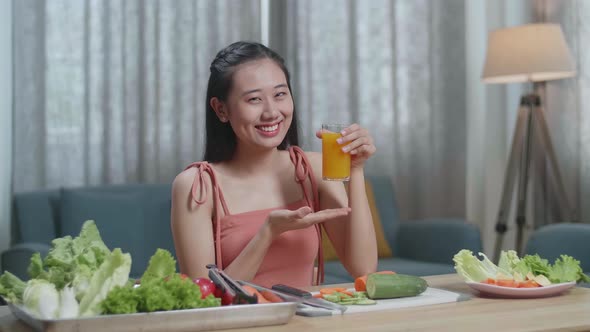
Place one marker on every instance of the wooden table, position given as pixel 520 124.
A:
pixel 567 312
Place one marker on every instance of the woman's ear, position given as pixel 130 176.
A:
pixel 219 109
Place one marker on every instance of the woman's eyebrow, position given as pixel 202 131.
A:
pixel 282 85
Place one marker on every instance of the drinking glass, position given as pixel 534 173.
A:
pixel 335 162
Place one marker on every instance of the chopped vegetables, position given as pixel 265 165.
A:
pixel 254 291
pixel 345 297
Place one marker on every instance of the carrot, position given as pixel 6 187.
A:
pixel 489 281
pixel 332 290
pixel 270 296
pixel 507 283
pixel 528 284
pixel 360 283
pixel 254 291
pixel 318 296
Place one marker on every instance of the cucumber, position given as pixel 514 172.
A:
pixel 388 286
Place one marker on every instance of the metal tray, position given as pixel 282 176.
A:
pixel 216 318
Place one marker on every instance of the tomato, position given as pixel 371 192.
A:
pixel 226 298
pixel 207 287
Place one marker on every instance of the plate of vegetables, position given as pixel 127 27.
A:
pixel 515 277
pixel 517 291
pixel 82 285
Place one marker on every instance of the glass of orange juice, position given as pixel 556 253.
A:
pixel 335 162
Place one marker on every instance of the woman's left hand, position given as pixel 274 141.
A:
pixel 358 142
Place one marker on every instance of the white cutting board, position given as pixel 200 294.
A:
pixel 428 297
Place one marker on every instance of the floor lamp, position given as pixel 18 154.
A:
pixel 532 53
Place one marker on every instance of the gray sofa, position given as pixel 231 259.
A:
pixel 136 218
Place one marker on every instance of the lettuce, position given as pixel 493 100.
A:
pixel 45 301
pixel 170 293
pixel 71 258
pixel 534 264
pixel 72 280
pixel 161 289
pixel 113 272
pixel 161 265
pixel 508 260
pixel 471 268
pixel 42 299
pixel 121 300
pixel 11 287
pixel 566 269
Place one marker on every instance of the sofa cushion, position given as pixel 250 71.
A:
pixel 118 216
pixel 156 231
pixel 35 213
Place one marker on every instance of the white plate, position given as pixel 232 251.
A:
pixel 512 292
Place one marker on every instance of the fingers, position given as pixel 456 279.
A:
pixel 318 133
pixel 359 140
pixel 301 212
pixel 291 214
pixel 325 215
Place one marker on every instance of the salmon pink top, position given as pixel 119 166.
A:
pixel 291 256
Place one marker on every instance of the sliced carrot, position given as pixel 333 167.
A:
pixel 332 290
pixel 254 291
pixel 360 283
pixel 507 283
pixel 489 281
pixel 318 295
pixel 272 297
pixel 528 284
pixel 346 293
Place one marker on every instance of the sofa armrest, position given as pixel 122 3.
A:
pixel 436 240
pixel 16 259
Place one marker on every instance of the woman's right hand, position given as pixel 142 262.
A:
pixel 280 221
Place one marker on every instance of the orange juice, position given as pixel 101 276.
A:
pixel 335 162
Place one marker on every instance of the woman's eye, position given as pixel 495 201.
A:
pixel 253 99
pixel 281 94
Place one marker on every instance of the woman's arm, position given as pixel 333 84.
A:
pixel 191 225
pixel 353 236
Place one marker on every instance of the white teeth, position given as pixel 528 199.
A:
pixel 271 128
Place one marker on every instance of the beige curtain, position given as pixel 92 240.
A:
pixel 112 91
pixel 567 114
pixel 397 68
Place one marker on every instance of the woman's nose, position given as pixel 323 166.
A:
pixel 271 110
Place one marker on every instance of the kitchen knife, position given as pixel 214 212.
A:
pixel 308 299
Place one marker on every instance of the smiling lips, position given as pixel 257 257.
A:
pixel 269 131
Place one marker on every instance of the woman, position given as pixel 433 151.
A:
pixel 243 208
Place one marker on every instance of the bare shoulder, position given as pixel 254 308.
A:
pixel 183 183
pixel 184 180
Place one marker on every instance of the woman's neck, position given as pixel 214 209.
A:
pixel 249 162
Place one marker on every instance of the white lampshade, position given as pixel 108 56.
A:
pixel 527 53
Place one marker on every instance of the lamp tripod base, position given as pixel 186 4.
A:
pixel 531 127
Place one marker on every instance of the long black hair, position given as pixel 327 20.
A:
pixel 220 139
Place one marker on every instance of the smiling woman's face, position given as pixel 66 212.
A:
pixel 259 104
